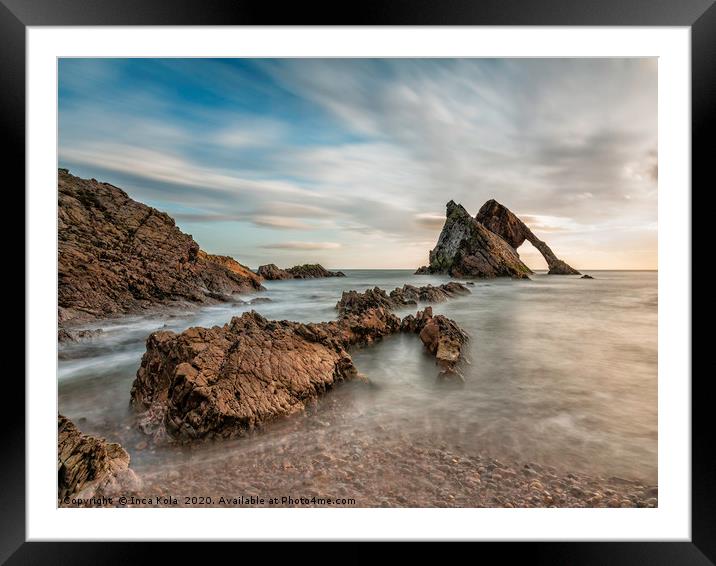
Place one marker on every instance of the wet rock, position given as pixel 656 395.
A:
pixel 88 466
pixel 69 335
pixel 223 381
pixel 117 256
pixel 586 277
pixel 503 222
pixel 258 300
pixel 466 248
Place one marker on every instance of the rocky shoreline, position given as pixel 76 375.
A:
pixel 224 381
pixel 119 257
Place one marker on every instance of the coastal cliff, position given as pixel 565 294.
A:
pixel 118 256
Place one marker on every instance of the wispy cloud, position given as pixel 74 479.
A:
pixel 302 246
pixel 364 154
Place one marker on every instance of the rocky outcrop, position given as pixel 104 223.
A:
pixel 586 277
pixel 70 335
pixel 271 272
pixel 88 466
pixel 441 336
pixel 305 271
pixel 355 302
pixel 466 248
pixel 117 255
pixel 500 220
pixel 224 381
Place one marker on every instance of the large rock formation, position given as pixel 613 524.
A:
pixel 466 248
pixel 305 271
pixel 224 381
pixel 88 466
pixel 117 256
pixel 500 220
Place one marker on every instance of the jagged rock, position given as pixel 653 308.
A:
pixel 69 335
pixel 223 381
pixel 117 256
pixel 466 248
pixel 441 336
pixel 88 466
pixel 409 294
pixel 353 301
pixel 312 271
pixel 306 271
pixel 586 277
pixel 503 222
pixel 271 272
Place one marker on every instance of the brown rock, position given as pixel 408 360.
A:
pixel 223 381
pixel 305 271
pixel 466 248
pixel 117 255
pixel 88 466
pixel 500 220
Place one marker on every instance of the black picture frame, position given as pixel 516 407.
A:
pixel 699 15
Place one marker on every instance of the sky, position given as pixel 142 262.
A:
pixel 350 162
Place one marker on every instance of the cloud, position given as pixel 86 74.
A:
pixel 363 153
pixel 430 220
pixel 302 246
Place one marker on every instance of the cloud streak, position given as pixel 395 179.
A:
pixel 364 154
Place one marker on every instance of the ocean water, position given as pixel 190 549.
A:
pixel 559 371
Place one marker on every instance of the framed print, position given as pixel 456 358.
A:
pixel 422 275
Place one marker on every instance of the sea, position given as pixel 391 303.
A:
pixel 559 371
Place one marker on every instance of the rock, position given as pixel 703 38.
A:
pixel 68 335
pixel 306 271
pixel 271 272
pixel 312 271
pixel 443 338
pixel 410 295
pixel 88 466
pixel 258 300
pixel 353 301
pixel 503 222
pixel 586 277
pixel 466 248
pixel 119 256
pixel 223 381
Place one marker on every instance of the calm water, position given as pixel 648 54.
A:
pixel 561 371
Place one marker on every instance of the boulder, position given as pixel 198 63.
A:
pixel 224 381
pixel 88 466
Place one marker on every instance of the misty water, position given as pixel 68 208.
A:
pixel 559 371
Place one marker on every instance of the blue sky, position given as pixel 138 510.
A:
pixel 350 162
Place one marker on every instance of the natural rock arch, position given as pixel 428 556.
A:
pixel 501 221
